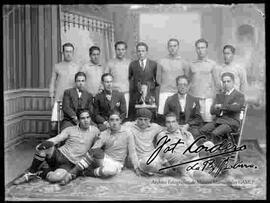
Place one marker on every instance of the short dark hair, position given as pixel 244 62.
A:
pixel 79 74
pixel 142 44
pixel 105 75
pixel 227 74
pixel 80 111
pixel 92 48
pixel 228 46
pixel 202 40
pixel 120 42
pixel 68 44
pixel 170 114
pixel 181 77
pixel 173 39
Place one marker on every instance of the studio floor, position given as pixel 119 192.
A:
pixel 127 186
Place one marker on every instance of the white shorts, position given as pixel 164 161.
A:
pixel 205 106
pixel 162 99
pixel 55 112
pixel 127 101
pixel 110 163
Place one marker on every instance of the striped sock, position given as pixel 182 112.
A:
pixel 37 161
pixel 86 161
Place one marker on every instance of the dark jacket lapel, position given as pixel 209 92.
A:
pixel 176 101
pixel 74 96
pixel 188 107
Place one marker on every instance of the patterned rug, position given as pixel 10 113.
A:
pixel 127 186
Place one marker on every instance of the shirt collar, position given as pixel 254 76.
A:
pixel 175 57
pixel 229 93
pixel 92 64
pixel 205 59
pixel 149 126
pixel 119 131
pixel 144 60
pixel 78 90
pixel 180 97
pixel 177 131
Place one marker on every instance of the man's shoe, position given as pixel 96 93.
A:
pixel 28 176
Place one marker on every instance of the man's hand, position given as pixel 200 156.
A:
pixel 75 120
pixel 106 123
pixel 45 145
pixel 185 127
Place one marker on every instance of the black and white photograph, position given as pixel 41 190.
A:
pixel 134 102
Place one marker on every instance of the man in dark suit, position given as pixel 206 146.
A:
pixel 74 99
pixel 226 107
pixel 141 71
pixel 185 106
pixel 107 101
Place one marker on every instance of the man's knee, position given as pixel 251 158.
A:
pixel 109 171
pixel 221 130
pixel 57 175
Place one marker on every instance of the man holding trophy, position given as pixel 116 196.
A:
pixel 142 77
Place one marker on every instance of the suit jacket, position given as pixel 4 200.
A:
pixel 191 115
pixel 102 106
pixel 231 107
pixel 137 75
pixel 71 102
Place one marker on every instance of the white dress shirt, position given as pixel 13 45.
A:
pixel 182 100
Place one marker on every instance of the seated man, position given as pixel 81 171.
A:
pixel 226 107
pixel 108 100
pixel 168 139
pixel 143 133
pixel 185 106
pixel 74 99
pixel 106 158
pixel 78 139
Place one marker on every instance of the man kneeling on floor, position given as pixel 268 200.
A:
pixel 106 158
pixel 78 139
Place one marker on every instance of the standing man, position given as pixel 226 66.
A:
pixel 93 70
pixel 62 78
pixel 185 106
pixel 118 67
pixel 141 71
pixel 205 82
pixel 78 140
pixel 168 68
pixel 240 75
pixel 108 100
pixel 74 99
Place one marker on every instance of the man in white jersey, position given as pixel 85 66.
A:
pixel 204 79
pixel 239 72
pixel 93 70
pixel 78 139
pixel 118 67
pixel 62 78
pixel 168 68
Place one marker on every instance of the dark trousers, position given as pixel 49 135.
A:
pixel 216 130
